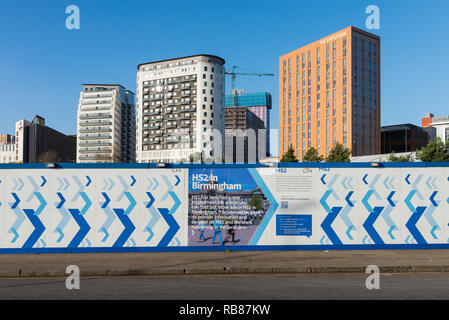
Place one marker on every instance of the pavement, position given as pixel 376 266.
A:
pixel 223 263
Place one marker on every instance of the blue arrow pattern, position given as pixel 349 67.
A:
pixel 155 217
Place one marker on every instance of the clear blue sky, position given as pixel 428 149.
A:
pixel 42 64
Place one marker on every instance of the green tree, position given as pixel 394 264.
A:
pixel 339 153
pixel 395 158
pixel 289 156
pixel 256 202
pixel 48 156
pixel 435 150
pixel 312 156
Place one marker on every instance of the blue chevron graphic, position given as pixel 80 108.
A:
pixel 349 183
pixel 347 221
pixel 417 181
pixel 390 183
pixel 348 197
pixel 18 223
pixel 428 215
pixel 369 225
pixel 326 225
pixel 125 188
pixel 428 182
pixel 365 200
pixel 407 177
pixel 386 216
pixel 133 181
pixel 364 179
pixel 44 181
pixel 149 204
pixel 89 181
pixel 42 205
pixel 322 240
pixel 323 201
pixel 432 199
pixel 343 183
pixel 67 184
pixel 177 180
pixel 156 183
pixel 35 188
pixel 61 234
pixel 64 221
pixel 59 206
pixel 173 227
pixel 129 228
pixel 364 240
pixel 16 184
pixel 154 217
pixel 150 232
pixel 408 200
pixel 15 204
pixel 110 217
pixel 169 185
pixel 390 232
pixel 87 205
pixel 88 243
pixel 132 203
pixel 107 200
pixel 176 204
pixel 150 183
pixel 21 184
pixel 411 225
pixel 322 178
pixel 176 242
pixel 38 228
pixel 333 180
pixel 83 231
pixel 60 184
pixel 433 182
pixel 16 235
pixel 386 183
pixel 390 200
pixel 374 182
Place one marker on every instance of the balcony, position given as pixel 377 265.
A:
pixel 95 116
pixel 95 144
pixel 170 125
pixel 95 137
pixel 97 150
pixel 92 130
pixel 95 108
pixel 95 123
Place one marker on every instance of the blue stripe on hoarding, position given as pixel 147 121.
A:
pixel 226 248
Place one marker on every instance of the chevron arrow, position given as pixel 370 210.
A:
pixel 35 188
pixel 132 203
pixel 433 182
pixel 129 228
pixel 323 201
pixel 16 184
pixel 326 225
pixel 88 181
pixel 21 184
pixel 390 200
pixel 177 180
pixel 369 225
pixel 432 199
pixel 16 235
pixel 173 227
pixel 364 179
pixel 67 184
pixel 428 182
pixel 59 206
pixel 83 231
pixel 343 182
pixel 87 205
pixel 133 181
pixel 365 200
pixel 406 178
pixel 322 179
pixel 408 200
pixel 106 203
pixel 38 228
pixel 349 183
pixel 150 183
pixel 176 204
pixel 348 197
pixel 42 205
pixel 156 183
pixel 44 181
pixel 390 183
pixel 411 225
pixel 15 204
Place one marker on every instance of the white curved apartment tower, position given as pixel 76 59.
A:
pixel 106 125
pixel 179 104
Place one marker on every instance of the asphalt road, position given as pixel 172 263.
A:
pixel 266 287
